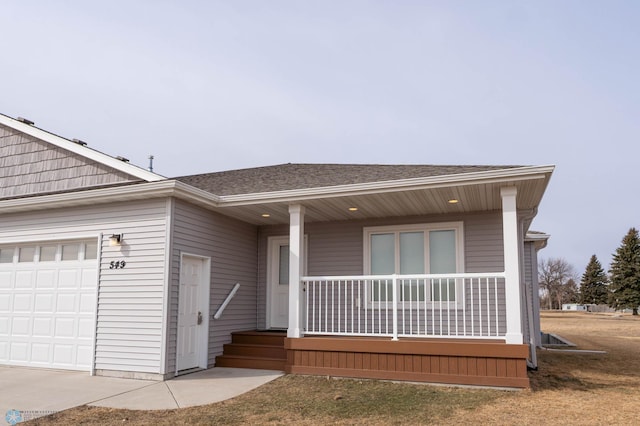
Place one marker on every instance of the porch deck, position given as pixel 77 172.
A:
pixel 450 361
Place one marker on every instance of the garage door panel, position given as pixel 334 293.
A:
pixel 83 353
pixel 89 279
pixel 5 302
pixel 40 352
pixel 42 327
pixel 63 354
pixel 21 326
pixel 85 328
pixel 6 279
pixel 64 327
pixel 22 303
pixel 47 308
pixel 44 303
pixel 46 279
pixel 66 303
pixel 19 352
pixel 24 279
pixel 68 279
pixel 87 303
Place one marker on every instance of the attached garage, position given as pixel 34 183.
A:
pixel 48 294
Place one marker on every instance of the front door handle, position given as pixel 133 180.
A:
pixel 199 317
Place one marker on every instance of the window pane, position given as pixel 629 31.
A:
pixel 383 262
pixel 48 253
pixel 91 251
pixel 383 254
pixel 70 252
pixel 26 254
pixel 283 273
pixel 6 255
pixel 442 259
pixel 412 253
pixel 442 251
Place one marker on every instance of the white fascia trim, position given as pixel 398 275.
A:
pixel 81 150
pixel 164 188
pixel 170 187
pixel 539 240
pixel 463 179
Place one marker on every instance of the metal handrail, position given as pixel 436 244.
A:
pixel 226 301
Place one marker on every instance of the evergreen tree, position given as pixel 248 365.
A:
pixel 594 284
pixel 625 274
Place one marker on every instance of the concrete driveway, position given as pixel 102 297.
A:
pixel 27 393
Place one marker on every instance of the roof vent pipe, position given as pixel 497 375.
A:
pixel 25 121
pixel 151 163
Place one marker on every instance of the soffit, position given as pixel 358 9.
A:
pixel 427 201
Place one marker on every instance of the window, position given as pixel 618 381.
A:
pixel 48 253
pixel 70 252
pixel 26 254
pixel 414 250
pixel 91 251
pixel 283 269
pixel 6 255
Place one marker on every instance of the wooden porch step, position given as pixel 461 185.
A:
pixel 254 349
pixel 259 363
pixel 259 351
pixel 272 338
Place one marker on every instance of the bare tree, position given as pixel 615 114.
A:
pixel 558 282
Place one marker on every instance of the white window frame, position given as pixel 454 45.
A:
pixel 457 227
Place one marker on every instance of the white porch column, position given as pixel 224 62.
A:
pixel 511 264
pixel 296 269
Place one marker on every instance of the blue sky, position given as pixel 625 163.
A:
pixel 207 86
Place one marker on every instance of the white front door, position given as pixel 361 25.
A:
pixel 193 313
pixel 278 282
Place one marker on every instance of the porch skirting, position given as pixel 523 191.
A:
pixel 481 363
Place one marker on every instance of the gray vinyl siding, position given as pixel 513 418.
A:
pixel 531 279
pixel 130 300
pixel 336 248
pixel 231 245
pixel 31 166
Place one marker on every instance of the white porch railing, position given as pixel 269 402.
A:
pixel 442 306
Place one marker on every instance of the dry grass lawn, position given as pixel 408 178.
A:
pixel 584 389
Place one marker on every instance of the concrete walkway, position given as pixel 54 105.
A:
pixel 33 392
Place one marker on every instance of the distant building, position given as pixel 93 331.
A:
pixel 573 307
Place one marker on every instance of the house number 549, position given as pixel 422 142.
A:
pixel 117 264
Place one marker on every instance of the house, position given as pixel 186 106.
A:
pixel 408 272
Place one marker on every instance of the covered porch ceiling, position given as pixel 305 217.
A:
pixel 389 200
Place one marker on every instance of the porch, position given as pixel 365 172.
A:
pixel 439 328
pixel 429 328
pixel 485 362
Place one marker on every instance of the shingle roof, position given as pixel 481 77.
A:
pixel 299 176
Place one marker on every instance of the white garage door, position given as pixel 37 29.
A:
pixel 47 304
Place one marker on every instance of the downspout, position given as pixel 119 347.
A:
pixel 95 315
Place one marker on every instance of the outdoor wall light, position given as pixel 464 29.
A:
pixel 115 240
pixel 453 201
